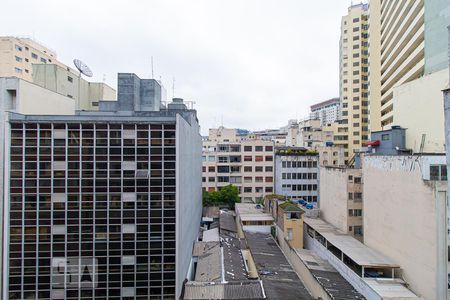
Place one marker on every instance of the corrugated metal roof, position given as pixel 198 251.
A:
pixel 357 251
pixel 227 221
pixel 228 291
pixel 209 266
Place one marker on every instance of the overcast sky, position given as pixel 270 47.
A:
pixel 250 64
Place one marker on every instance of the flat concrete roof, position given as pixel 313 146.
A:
pixel 211 235
pixel 390 289
pixel 357 251
pixel 262 217
pixel 208 264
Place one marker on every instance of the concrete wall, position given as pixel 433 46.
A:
pixel 188 194
pixel 404 219
pixel 418 107
pixel 333 197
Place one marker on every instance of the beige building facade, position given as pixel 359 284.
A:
pixel 353 130
pixel 27 59
pixel 341 199
pixel 68 82
pixel 245 163
pixel 397 53
pixel 405 217
pixel 17 56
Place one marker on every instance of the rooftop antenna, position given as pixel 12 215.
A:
pixel 153 76
pixel 173 87
pixel 84 70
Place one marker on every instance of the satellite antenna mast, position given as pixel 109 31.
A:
pixel 173 87
pixel 153 76
pixel 83 69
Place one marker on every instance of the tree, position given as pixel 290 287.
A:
pixel 228 195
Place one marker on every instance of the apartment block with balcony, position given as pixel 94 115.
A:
pixel 102 205
pixel 353 130
pixel 244 162
pixel 297 174
pixel 328 111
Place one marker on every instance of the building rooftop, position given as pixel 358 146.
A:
pixel 250 290
pixel 390 289
pixel 354 249
pixel 227 222
pixel 211 235
pixel 325 103
pixel 279 279
pixel 211 212
pixel 288 206
pixel 209 262
pixel 328 277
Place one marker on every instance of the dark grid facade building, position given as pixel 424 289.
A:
pixel 92 207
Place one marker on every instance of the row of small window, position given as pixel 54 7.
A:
pixel 91 126
pixel 299 164
pixel 153 293
pixel 236 169
pixel 299 187
pixel 238 179
pixel 354 179
pixel 438 172
pixel 355 212
pixel 306 198
pixel 75 165
pixel 355 196
pixel 45 152
pixel 237 159
pixel 299 176
pixel 237 148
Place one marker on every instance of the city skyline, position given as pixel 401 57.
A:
pixel 202 45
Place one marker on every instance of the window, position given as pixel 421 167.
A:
pixel 247 189
pixel 269 169
pixel 258 169
pixel 34 56
pixel 248 169
pixel 43 60
pixel 211 158
pixel 269 148
pixel 69 79
pixel 269 158
pixel 385 137
pixel 247 158
pixel 18 48
pixel 248 148
pixel 350 196
pixel 438 172
pixel 18 59
pixel 357 180
pixel 258 148
pixel 258 158
pixel 18 70
pixel 211 169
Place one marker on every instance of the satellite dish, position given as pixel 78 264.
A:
pixel 82 67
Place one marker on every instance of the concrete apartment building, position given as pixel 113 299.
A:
pixel 67 82
pixel 408 69
pixel 116 192
pixel 29 60
pixel 247 163
pixel 405 217
pixel 17 56
pixel 341 199
pixel 328 111
pixel 353 130
pixel 297 174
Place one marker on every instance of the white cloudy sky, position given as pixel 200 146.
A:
pixel 250 64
